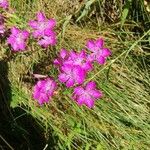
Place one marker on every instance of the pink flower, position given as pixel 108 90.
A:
pixel 4 4
pixel 72 75
pixel 42 26
pixel 44 90
pixel 73 67
pixel 73 58
pixel 79 59
pixel 87 95
pixel 45 41
pixel 99 53
pixel 17 39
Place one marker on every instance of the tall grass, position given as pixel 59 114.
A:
pixel 120 120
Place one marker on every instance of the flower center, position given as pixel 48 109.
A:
pixel 43 25
pixel 98 53
pixel 48 86
pixel 86 94
pixel 19 38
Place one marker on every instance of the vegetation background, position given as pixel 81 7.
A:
pixel 120 120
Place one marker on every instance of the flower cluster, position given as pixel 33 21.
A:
pixel 73 66
pixel 43 30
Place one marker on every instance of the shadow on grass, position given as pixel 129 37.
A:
pixel 18 130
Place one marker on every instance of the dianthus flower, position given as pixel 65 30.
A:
pixel 71 75
pixel 42 25
pixel 44 90
pixel 87 95
pixel 17 39
pixel 79 59
pixel 99 53
pixel 4 4
pixel 47 40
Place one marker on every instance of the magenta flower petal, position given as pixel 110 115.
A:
pixel 90 103
pixel 90 45
pixel 63 56
pixel 15 30
pixel 101 60
pixel 48 32
pixel 63 78
pixel 96 93
pixel 51 23
pixel 40 16
pixel 91 85
pixel 56 62
pixel 106 52
pixel 43 98
pixel 36 91
pixel 21 46
pixel 82 53
pixel 33 24
pixel 36 94
pixel 78 90
pixel 25 34
pixel 68 69
pixel 15 47
pixel 70 82
pixel 63 53
pixel 99 43
pixel 73 54
pixel 80 101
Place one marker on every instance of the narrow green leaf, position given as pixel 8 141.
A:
pixel 125 12
pixel 86 9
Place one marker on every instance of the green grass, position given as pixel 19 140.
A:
pixel 120 120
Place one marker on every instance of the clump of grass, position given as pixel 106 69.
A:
pixel 118 121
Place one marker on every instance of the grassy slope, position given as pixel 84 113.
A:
pixel 119 121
